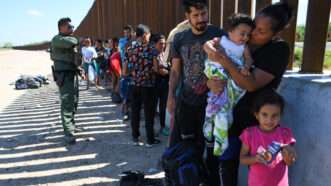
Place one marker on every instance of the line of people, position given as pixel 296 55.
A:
pixel 139 75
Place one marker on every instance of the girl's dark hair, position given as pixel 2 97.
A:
pixel 237 19
pixel 265 97
pixel 198 4
pixel 115 40
pixel 280 13
pixel 157 37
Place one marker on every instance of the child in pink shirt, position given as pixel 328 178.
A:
pixel 267 148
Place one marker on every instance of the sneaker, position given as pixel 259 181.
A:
pixel 164 131
pixel 137 142
pixel 126 117
pixel 150 145
pixel 69 139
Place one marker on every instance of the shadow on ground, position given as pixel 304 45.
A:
pixel 32 151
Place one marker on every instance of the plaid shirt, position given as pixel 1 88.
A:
pixel 140 58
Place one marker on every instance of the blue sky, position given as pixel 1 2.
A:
pixel 27 21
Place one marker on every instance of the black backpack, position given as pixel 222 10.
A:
pixel 132 178
pixel 25 82
pixel 136 178
pixel 182 165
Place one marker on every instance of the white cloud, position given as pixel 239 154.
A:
pixel 34 13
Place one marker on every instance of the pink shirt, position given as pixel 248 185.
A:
pixel 275 173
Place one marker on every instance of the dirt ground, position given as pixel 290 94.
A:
pixel 32 151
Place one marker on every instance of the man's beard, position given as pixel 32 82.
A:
pixel 201 26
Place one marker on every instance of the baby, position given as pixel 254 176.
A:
pixel 219 108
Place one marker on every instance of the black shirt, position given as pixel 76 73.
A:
pixel 189 48
pixel 272 58
pixel 101 54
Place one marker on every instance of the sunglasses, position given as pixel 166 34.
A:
pixel 71 27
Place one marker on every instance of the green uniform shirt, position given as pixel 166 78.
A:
pixel 63 53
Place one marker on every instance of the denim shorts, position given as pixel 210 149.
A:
pixel 96 67
pixel 125 88
pixel 85 67
pixel 94 64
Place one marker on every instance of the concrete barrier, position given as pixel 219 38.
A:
pixel 308 113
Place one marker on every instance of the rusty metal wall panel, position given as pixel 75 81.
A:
pixel 315 36
pixel 228 10
pixel 115 21
pixel 215 12
pixel 289 33
pixel 261 4
pixel 180 12
pixel 86 26
pixel 107 18
pixel 169 21
pixel 245 6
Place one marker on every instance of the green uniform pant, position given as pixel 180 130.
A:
pixel 68 86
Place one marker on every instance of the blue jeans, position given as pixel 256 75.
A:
pixel 125 88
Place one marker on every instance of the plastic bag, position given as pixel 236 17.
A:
pixel 91 73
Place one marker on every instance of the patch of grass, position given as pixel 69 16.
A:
pixel 327 60
pixel 1 48
pixel 298 58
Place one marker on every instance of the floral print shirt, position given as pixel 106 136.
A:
pixel 139 58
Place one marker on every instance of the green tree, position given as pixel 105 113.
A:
pixel 301 32
pixel 7 45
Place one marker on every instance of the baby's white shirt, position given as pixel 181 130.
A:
pixel 233 50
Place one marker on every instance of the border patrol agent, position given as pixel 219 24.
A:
pixel 65 73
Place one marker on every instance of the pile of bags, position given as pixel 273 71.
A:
pixel 30 82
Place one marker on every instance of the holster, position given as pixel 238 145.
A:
pixel 53 73
pixel 58 77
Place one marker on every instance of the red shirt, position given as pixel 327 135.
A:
pixel 115 63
